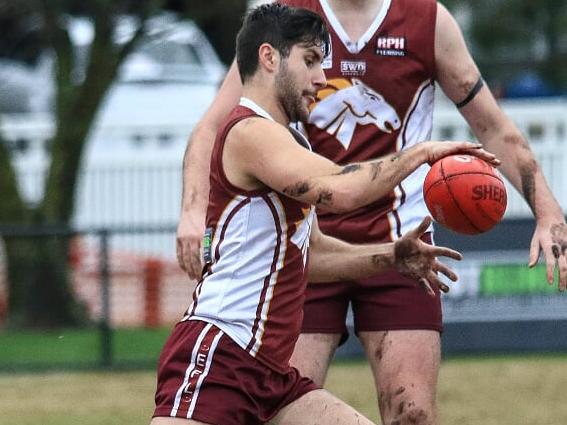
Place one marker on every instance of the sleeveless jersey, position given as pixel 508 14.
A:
pixel 379 100
pixel 253 286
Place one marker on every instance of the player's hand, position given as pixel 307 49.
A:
pixel 190 233
pixel 434 151
pixel 550 236
pixel 418 260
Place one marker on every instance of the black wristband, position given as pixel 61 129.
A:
pixel 472 93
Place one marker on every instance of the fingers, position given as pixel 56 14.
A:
pixel 559 260
pixel 479 152
pixel 189 257
pixel 534 252
pixel 432 277
pixel 425 284
pixel 442 268
pixel 423 226
pixel 441 251
pixel 550 261
pixel 193 258
pixel 562 264
pixel 179 252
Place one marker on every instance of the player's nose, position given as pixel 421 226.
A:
pixel 320 80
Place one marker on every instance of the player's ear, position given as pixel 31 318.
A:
pixel 268 57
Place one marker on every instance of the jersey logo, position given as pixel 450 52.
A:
pixel 341 106
pixel 391 46
pixel 327 62
pixel 353 68
pixel 303 231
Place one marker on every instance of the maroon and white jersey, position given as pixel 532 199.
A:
pixel 253 287
pixel 379 100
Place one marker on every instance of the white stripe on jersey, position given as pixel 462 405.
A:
pixel 232 205
pixel 230 297
pixel 281 217
pixel 209 361
pixel 189 369
pixel 417 127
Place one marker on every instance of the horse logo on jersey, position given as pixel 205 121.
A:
pixel 343 105
pixel 303 230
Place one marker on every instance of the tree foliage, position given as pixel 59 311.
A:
pixel 219 19
pixel 510 37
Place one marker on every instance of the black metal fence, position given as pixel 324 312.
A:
pixel 126 281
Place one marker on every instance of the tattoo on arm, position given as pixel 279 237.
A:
pixel 297 189
pixel 325 197
pixel 375 168
pixel 528 183
pixel 351 168
pixel 396 157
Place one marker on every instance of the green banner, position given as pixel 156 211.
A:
pixel 514 279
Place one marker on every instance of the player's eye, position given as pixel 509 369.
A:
pixel 309 62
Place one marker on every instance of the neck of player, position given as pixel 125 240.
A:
pixel 266 98
pixel 355 16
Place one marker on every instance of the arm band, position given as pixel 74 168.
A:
pixel 472 93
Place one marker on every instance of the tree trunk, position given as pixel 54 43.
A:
pixel 40 296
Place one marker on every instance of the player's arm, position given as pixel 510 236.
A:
pixel 459 78
pixel 332 260
pixel 261 152
pixel 196 167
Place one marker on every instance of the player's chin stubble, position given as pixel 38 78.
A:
pixel 290 96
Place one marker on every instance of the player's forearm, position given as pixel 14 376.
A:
pixel 340 261
pixel 196 168
pixel 522 169
pixel 357 185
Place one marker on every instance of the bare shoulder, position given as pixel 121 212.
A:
pixel 446 27
pixel 257 129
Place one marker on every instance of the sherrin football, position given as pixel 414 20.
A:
pixel 465 194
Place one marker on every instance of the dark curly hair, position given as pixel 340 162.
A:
pixel 282 27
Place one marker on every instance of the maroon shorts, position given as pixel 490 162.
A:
pixel 205 376
pixel 386 302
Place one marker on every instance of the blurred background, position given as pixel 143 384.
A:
pixel 97 100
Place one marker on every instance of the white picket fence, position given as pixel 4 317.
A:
pixel 543 122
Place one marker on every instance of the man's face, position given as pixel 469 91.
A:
pixel 299 77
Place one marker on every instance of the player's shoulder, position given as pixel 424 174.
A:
pixel 443 15
pixel 256 128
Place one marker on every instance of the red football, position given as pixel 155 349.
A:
pixel 465 194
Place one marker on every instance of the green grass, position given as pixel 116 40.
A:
pixel 502 391
pixel 492 390
pixel 78 348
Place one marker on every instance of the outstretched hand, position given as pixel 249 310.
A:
pixel 418 260
pixel 551 238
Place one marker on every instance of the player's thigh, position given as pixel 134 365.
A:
pixel 175 421
pixel 313 353
pixel 405 364
pixel 319 407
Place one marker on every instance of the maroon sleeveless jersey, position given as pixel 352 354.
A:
pixel 255 277
pixel 379 100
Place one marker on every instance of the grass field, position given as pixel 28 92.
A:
pixel 488 391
